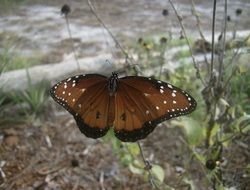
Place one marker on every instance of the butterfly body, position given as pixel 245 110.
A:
pixel 132 105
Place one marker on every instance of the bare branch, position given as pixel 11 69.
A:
pixel 223 42
pixel 131 60
pixel 72 42
pixel 213 31
pixel 194 12
pixel 188 43
pixel 148 167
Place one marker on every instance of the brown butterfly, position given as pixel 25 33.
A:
pixel 132 105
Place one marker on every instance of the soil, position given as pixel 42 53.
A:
pixel 52 154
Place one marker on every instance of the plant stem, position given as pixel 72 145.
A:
pixel 213 31
pixel 188 43
pixel 148 167
pixel 72 42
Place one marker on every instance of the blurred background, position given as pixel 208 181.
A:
pixel 42 148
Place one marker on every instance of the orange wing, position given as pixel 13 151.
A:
pixel 141 103
pixel 86 97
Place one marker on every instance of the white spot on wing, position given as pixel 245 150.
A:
pixel 164 102
pixel 161 91
pixel 157 107
pixel 170 86
pixel 173 94
pixel 174 102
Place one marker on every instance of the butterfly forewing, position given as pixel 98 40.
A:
pixel 142 103
pixel 86 97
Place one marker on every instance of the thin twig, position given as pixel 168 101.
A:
pixel 223 42
pixel 197 19
pixel 221 69
pixel 188 43
pixel 132 62
pixel 212 84
pixel 234 135
pixel 234 57
pixel 162 60
pixel 2 68
pixel 194 12
pixel 148 167
pixel 213 31
pixel 72 42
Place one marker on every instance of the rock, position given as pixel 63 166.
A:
pixel 11 140
pixel 18 80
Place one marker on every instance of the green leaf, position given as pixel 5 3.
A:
pixel 194 132
pixel 224 102
pixel 214 131
pixel 248 167
pixel 200 157
pixel 158 173
pixel 133 148
pixel 190 182
pixel 242 124
pixel 221 187
pixel 136 167
pixel 126 159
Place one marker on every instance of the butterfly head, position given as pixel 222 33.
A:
pixel 112 83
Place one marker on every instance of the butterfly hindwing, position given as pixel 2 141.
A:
pixel 146 102
pixel 131 120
